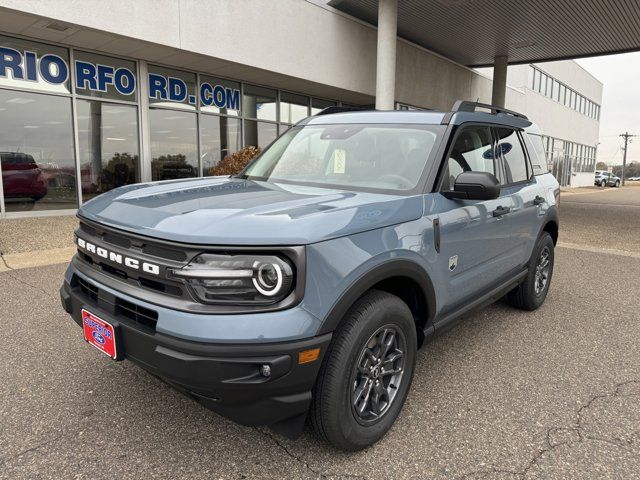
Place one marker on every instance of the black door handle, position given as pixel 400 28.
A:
pixel 500 211
pixel 538 200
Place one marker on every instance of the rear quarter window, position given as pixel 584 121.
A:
pixel 537 154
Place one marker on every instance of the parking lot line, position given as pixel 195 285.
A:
pixel 606 251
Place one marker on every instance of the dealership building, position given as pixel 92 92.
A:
pixel 95 95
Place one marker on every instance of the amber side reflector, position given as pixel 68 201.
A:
pixel 308 356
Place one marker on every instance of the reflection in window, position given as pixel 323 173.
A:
pixel 173 144
pixel 57 64
pixel 36 149
pixel 108 139
pixel 219 137
pixel 259 102
pixel 259 134
pixel 515 162
pixel 293 107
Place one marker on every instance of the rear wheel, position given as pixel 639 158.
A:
pixel 618 184
pixel 532 293
pixel 366 373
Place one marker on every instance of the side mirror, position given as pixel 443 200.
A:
pixel 475 186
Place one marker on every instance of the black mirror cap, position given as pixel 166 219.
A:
pixel 475 186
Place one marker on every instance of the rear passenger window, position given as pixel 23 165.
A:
pixel 471 152
pixel 515 160
pixel 539 156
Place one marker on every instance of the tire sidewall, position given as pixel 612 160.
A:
pixel 544 240
pixel 388 311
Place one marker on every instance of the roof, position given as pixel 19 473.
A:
pixel 473 32
pixel 415 118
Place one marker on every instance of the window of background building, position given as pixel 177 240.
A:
pixel 318 104
pixel 259 134
pixel 41 50
pixel 293 107
pixel 174 144
pixel 259 103
pixel 226 84
pixel 36 149
pixel 182 84
pixel 108 145
pixel 111 92
pixel 219 136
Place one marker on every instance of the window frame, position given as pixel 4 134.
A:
pixel 530 176
pixel 497 166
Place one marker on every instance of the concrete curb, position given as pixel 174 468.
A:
pixel 40 258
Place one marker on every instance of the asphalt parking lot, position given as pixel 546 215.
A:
pixel 508 395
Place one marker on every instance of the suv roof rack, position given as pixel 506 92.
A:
pixel 467 106
pixel 337 109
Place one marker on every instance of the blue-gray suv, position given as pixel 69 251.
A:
pixel 303 287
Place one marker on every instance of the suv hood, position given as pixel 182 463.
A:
pixel 230 211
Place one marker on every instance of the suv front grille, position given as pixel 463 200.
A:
pixel 143 317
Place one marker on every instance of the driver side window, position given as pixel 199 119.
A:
pixel 471 152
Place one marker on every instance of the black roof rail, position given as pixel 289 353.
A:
pixel 467 106
pixel 337 109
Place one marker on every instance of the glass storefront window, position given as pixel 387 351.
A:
pixel 34 66
pixel 259 134
pixel 293 107
pixel 172 88
pixel 108 138
pixel 174 144
pixel 219 96
pixel 36 150
pixel 100 76
pixel 317 104
pixel 259 102
pixel 219 137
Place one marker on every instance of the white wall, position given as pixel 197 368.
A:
pixel 291 44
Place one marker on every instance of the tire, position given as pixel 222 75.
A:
pixel 333 414
pixel 526 296
pixel 603 184
pixel 618 184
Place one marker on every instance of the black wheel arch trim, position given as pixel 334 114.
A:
pixel 550 216
pixel 383 271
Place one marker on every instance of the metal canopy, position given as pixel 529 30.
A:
pixel 473 32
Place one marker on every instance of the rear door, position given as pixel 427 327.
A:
pixel 476 249
pixel 527 198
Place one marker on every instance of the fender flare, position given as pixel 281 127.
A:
pixel 382 271
pixel 550 216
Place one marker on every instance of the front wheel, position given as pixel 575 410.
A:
pixel 532 293
pixel 366 373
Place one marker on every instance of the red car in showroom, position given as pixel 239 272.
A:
pixel 21 176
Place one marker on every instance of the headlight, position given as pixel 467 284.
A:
pixel 238 279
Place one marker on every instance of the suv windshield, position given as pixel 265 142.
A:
pixel 359 156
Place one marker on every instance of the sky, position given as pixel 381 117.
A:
pixel 620 75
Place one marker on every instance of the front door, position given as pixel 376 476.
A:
pixel 476 250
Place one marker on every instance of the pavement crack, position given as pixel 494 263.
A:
pixel 566 436
pixel 10 274
pixel 36 447
pixel 297 458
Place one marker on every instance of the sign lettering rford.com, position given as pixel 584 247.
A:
pixel 118 258
pixel 28 66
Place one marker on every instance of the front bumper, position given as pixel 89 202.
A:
pixel 222 376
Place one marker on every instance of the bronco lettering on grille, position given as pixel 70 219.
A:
pixel 118 258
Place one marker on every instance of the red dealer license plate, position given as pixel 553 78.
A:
pixel 99 333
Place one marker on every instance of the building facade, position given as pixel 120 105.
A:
pixel 108 94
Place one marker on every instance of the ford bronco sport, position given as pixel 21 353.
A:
pixel 304 286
